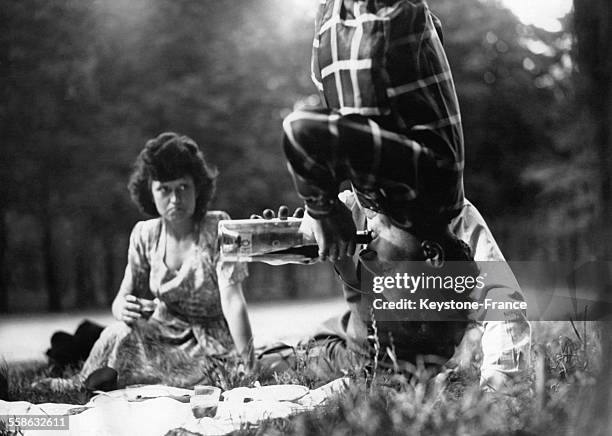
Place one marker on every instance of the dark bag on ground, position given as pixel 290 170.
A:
pixel 69 350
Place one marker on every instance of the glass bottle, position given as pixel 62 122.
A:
pixel 273 241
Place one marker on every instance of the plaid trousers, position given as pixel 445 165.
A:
pixel 392 127
pixel 389 172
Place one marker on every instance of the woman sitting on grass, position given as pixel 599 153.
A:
pixel 178 307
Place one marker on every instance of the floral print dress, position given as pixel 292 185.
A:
pixel 187 331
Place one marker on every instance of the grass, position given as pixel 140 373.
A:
pixel 565 364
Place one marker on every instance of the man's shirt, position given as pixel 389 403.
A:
pixel 505 341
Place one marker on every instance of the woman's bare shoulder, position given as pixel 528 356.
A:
pixel 217 215
pixel 210 222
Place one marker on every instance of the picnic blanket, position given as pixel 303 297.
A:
pixel 156 410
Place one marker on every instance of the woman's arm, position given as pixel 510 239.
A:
pixel 235 312
pixel 125 306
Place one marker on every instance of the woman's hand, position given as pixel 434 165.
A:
pixel 127 308
pixel 248 361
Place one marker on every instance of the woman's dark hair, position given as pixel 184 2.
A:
pixel 171 156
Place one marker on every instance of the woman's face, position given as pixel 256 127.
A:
pixel 175 200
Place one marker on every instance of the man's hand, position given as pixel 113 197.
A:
pixel 283 213
pixel 335 234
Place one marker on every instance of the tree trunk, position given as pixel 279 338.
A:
pixel 54 302
pixel 3 269
pixel 290 282
pixel 109 279
pixel 83 271
pixel 593 27
pixel 605 183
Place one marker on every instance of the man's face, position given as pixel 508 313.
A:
pixel 391 243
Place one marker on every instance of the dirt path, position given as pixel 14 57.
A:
pixel 26 337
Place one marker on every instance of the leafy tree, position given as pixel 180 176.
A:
pixel 514 87
pixel 85 83
pixel 46 65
